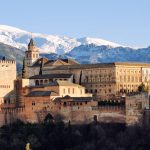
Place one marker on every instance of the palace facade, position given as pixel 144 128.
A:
pixel 72 91
pixel 104 80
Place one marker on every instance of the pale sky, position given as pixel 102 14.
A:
pixel 126 22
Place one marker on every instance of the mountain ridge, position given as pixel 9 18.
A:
pixel 85 50
pixel 47 43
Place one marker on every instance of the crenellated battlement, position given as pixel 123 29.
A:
pixel 7 62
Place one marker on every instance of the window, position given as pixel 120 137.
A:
pixel 120 78
pixel 128 78
pixel 33 103
pixel 124 78
pixel 5 101
pixel 65 103
pixel 68 90
pixel 41 82
pixel 37 82
pixel 73 90
pixel 64 91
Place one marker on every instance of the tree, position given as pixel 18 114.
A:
pixel 142 88
pixel 49 118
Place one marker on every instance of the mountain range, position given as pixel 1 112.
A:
pixel 14 41
pixel 47 43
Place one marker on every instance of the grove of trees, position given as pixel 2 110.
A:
pixel 60 136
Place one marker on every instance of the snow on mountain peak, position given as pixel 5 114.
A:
pixel 5 28
pixel 97 41
pixel 47 43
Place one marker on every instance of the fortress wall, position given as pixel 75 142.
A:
pixel 7 77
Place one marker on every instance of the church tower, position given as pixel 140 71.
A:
pixel 32 54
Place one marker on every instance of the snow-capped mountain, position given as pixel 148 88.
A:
pixel 103 54
pixel 84 50
pixel 97 42
pixel 47 43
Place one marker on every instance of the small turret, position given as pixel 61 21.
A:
pixel 31 43
pixel 32 46
pixel 32 54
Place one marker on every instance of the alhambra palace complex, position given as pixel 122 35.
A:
pixel 71 91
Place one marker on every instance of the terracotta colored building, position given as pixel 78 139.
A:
pixel 75 92
pixel 105 81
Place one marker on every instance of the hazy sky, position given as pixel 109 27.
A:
pixel 126 22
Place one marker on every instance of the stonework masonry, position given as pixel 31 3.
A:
pixel 71 91
pixel 7 78
pixel 106 81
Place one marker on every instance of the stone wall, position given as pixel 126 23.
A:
pixel 7 77
pixel 135 106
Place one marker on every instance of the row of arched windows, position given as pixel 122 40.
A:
pixel 32 55
pixel 4 86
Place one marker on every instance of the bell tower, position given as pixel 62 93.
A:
pixel 32 54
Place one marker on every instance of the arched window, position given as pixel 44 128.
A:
pixel 33 55
pixel 41 82
pixel 65 104
pixel 37 82
pixel 68 90
pixel 45 81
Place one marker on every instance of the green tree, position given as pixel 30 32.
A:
pixel 142 88
pixel 49 118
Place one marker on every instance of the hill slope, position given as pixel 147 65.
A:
pixel 12 53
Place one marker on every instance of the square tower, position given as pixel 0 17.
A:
pixel 7 78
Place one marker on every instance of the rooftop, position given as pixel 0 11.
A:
pixel 102 65
pixel 40 93
pixel 65 83
pixel 51 76
pixel 57 62
pixel 31 43
pixel 74 99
